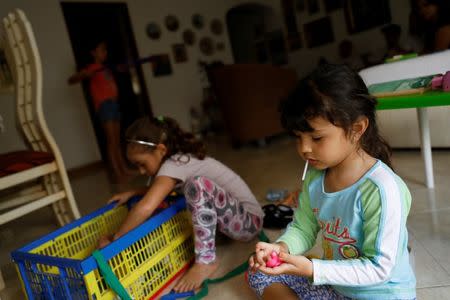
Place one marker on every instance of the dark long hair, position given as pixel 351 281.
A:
pixel 339 95
pixel 165 130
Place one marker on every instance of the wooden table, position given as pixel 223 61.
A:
pixel 420 102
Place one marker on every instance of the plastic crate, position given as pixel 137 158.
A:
pixel 145 260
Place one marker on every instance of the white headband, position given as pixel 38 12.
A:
pixel 142 143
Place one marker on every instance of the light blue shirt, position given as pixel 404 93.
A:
pixel 364 235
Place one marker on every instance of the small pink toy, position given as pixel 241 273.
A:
pixel 446 82
pixel 274 260
pixel 436 82
pixel 441 82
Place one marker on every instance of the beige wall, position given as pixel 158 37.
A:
pixel 64 107
pixel 173 95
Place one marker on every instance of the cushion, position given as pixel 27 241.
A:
pixel 17 161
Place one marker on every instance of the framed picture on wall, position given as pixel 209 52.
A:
pixel 294 41
pixel 206 45
pixel 362 15
pixel 161 65
pixel 179 53
pixel 189 37
pixel 319 32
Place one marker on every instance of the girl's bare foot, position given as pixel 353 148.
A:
pixel 193 279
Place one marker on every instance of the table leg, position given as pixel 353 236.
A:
pixel 425 144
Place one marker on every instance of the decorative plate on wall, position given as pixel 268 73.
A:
pixel 179 53
pixel 206 46
pixel 172 22
pixel 153 31
pixel 216 27
pixel 198 21
pixel 189 37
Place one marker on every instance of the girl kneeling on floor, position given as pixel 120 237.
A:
pixel 215 195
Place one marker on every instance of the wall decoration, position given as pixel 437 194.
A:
pixel 216 27
pixel 361 15
pixel 319 32
pixel 198 21
pixel 293 36
pixel 332 5
pixel 179 53
pixel 277 47
pixel 172 23
pixel 220 46
pixel 313 6
pixel 153 31
pixel 161 65
pixel 189 37
pixel 300 5
pixel 206 46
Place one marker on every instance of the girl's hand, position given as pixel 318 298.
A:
pixel 297 265
pixel 104 241
pixel 262 254
pixel 122 198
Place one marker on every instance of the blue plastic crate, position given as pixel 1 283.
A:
pixel 60 266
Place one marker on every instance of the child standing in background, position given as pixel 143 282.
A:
pixel 216 196
pixel 104 94
pixel 351 194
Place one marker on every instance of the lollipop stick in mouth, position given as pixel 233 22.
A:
pixel 304 171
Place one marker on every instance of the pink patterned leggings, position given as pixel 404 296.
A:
pixel 212 207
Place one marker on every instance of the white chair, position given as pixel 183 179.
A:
pixel 40 185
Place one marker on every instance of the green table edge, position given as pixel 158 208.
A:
pixel 430 98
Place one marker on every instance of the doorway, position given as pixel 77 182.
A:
pixel 109 22
pixel 256 34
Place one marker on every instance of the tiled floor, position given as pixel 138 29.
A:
pixel 274 166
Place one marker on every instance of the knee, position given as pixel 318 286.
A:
pixel 256 281
pixel 193 190
pixel 251 279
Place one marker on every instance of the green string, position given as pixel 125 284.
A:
pixel 236 271
pixel 111 279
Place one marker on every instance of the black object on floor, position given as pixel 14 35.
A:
pixel 277 216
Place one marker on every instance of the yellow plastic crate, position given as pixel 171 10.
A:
pixel 145 260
